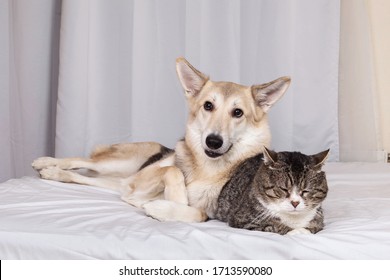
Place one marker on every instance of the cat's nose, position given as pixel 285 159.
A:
pixel 295 203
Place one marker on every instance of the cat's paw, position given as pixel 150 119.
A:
pixel 44 162
pixel 299 231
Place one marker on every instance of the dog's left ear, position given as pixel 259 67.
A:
pixel 191 79
pixel 267 94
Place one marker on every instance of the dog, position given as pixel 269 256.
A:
pixel 227 123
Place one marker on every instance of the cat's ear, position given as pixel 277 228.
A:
pixel 191 79
pixel 270 157
pixel 267 94
pixel 320 158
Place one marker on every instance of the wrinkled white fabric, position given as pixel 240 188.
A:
pixel 49 220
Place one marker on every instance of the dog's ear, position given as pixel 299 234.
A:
pixel 191 79
pixel 267 94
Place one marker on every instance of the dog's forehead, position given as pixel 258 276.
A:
pixel 226 89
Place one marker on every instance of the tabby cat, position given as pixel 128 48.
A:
pixel 276 192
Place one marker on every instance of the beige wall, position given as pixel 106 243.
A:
pixel 379 16
pixel 359 121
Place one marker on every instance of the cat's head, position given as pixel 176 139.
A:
pixel 292 182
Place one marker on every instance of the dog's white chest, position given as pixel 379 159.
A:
pixel 204 196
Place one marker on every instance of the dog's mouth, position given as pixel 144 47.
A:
pixel 214 154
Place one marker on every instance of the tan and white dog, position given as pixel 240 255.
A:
pixel 227 123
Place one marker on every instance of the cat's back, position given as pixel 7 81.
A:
pixel 233 192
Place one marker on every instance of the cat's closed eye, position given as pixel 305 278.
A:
pixel 304 193
pixel 285 189
pixel 277 192
pixel 320 195
pixel 271 193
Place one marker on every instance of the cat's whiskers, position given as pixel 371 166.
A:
pixel 262 216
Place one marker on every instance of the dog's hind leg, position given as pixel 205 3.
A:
pixel 102 167
pixel 160 180
pixel 57 174
pixel 174 185
pixel 119 160
pixel 63 163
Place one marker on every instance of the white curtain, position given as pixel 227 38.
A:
pixel 28 82
pixel 115 65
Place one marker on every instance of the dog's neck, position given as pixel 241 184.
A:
pixel 194 164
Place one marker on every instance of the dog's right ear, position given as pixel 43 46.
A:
pixel 267 94
pixel 191 79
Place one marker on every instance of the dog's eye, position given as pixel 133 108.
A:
pixel 237 113
pixel 208 106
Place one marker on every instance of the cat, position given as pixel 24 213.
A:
pixel 277 192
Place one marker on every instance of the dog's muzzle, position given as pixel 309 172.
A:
pixel 214 142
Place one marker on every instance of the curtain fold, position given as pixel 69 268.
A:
pixel 116 71
pixel 28 82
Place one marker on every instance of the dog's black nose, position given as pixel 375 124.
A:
pixel 214 141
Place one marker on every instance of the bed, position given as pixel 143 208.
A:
pixel 42 219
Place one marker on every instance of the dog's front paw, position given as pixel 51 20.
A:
pixel 299 231
pixel 166 210
pixel 159 210
pixel 44 162
pixel 56 174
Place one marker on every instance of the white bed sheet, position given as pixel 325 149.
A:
pixel 42 219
